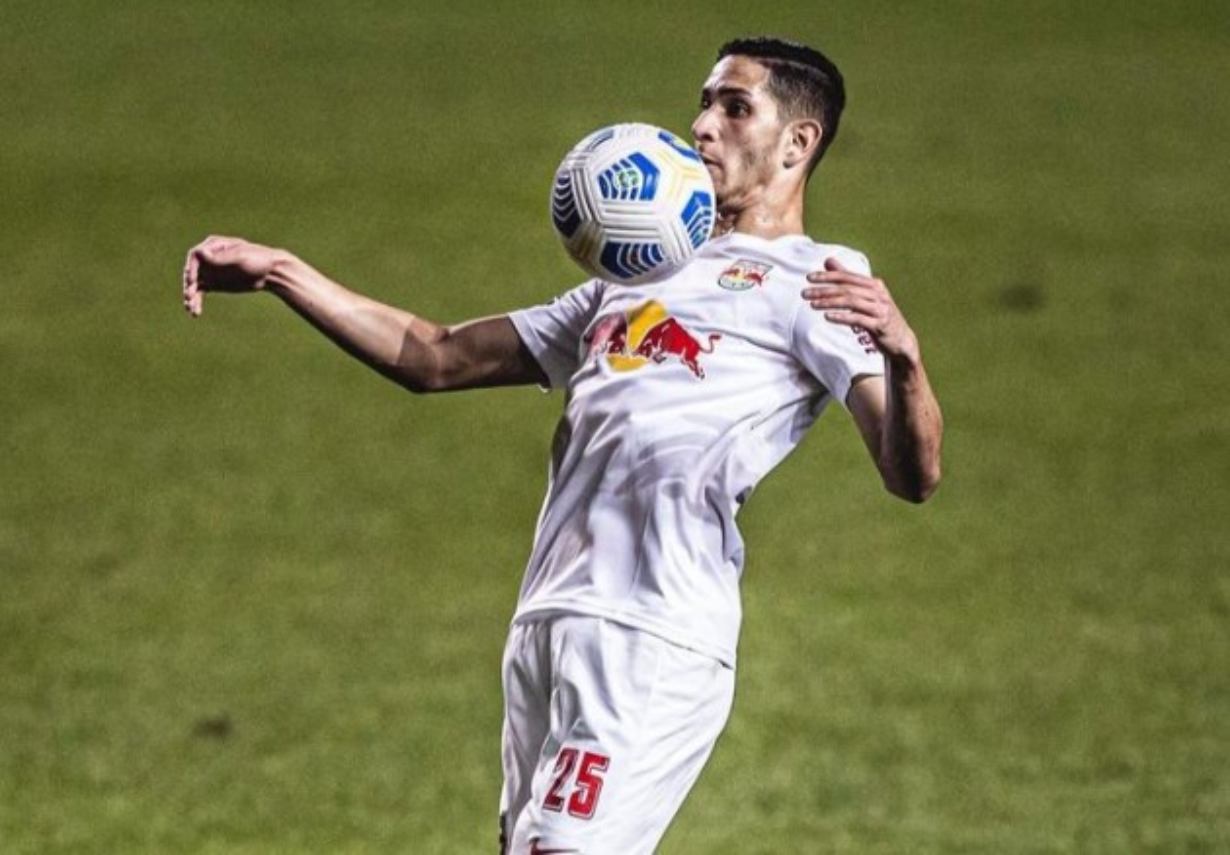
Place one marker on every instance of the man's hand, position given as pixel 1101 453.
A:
pixel 897 414
pixel 411 351
pixel 227 264
pixel 862 301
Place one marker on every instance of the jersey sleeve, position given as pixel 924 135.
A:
pixel 835 354
pixel 552 332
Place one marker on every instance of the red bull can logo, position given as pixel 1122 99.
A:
pixel 647 334
pixel 744 274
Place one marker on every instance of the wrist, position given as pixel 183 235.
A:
pixel 906 358
pixel 284 271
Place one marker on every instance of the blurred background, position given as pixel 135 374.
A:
pixel 254 596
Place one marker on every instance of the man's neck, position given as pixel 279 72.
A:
pixel 767 218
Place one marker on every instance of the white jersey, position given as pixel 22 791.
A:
pixel 681 396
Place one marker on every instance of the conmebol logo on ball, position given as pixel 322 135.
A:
pixel 631 203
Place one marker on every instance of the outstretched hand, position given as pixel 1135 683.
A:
pixel 226 264
pixel 864 302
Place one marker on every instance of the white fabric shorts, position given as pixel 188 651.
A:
pixel 606 729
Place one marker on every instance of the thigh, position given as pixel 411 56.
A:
pixel 690 708
pixel 526 677
pixel 632 720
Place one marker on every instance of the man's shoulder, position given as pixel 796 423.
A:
pixel 815 253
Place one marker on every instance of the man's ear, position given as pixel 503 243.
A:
pixel 802 139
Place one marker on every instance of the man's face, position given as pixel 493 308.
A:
pixel 739 130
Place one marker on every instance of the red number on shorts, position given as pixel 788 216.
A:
pixel 563 770
pixel 584 799
pixel 589 784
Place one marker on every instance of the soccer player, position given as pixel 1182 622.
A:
pixel 619 668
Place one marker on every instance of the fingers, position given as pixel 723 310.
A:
pixel 851 318
pixel 850 299
pixel 831 297
pixel 861 302
pixel 217 249
pixel 192 296
pixel 841 309
pixel 214 250
pixel 836 272
pixel 831 266
pixel 842 276
pixel 855 312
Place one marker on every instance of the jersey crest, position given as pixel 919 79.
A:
pixel 744 274
pixel 647 334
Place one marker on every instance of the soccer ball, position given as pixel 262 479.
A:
pixel 631 203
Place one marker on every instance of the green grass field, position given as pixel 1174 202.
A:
pixel 254 596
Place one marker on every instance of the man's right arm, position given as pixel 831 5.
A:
pixel 409 350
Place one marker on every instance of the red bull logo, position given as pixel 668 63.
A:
pixel 744 274
pixel 633 339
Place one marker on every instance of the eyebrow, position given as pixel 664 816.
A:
pixel 726 90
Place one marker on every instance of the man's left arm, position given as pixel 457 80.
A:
pixel 897 414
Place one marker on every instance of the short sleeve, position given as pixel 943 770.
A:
pixel 552 332
pixel 835 354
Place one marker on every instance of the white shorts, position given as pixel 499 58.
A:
pixel 606 729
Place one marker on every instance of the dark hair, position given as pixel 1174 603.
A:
pixel 803 81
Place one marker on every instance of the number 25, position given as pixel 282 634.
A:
pixel 588 785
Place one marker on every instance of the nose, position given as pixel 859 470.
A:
pixel 703 129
